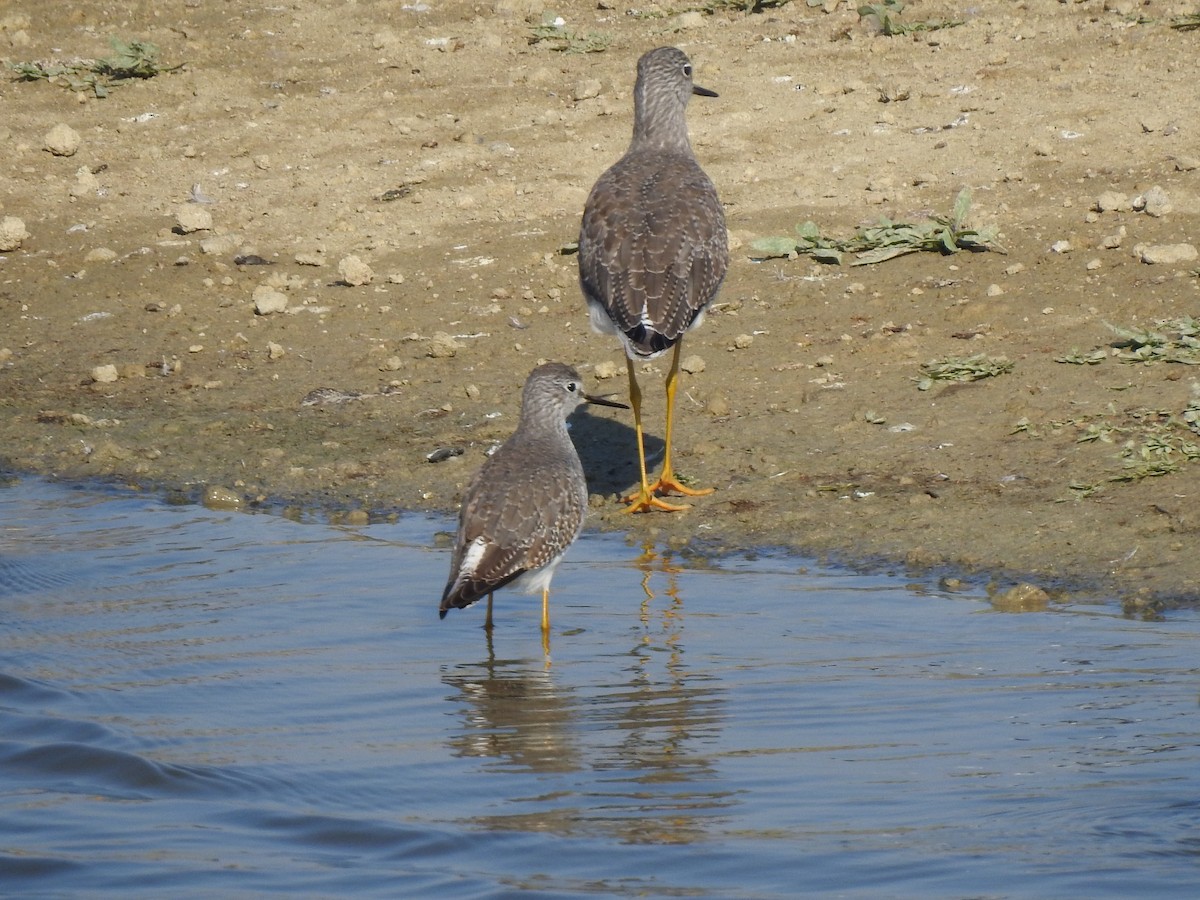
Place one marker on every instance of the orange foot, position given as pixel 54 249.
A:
pixel 668 483
pixel 645 499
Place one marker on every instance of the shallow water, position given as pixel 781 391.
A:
pixel 196 702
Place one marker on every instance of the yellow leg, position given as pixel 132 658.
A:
pixel 487 622
pixel 667 481
pixel 546 624
pixel 644 499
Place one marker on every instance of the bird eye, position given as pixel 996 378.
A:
pixel 687 69
pixel 572 387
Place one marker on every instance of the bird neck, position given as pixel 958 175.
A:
pixel 659 123
pixel 536 423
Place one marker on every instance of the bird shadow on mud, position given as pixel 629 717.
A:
pixel 608 451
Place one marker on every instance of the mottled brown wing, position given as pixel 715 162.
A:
pixel 501 533
pixel 653 248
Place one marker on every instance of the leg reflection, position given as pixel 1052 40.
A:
pixel 652 563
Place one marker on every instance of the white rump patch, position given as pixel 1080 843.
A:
pixel 471 558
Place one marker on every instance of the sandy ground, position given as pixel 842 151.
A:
pixel 434 145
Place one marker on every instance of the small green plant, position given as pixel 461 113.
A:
pixel 1190 417
pixel 554 34
pixel 1183 22
pixel 885 240
pixel 947 234
pixel 1159 453
pixel 886 14
pixel 1098 431
pixel 1078 358
pixel 1168 340
pixel 1172 340
pixel 748 6
pixel 808 240
pixel 1083 489
pixel 712 7
pixel 1154 442
pixel 962 369
pixel 135 59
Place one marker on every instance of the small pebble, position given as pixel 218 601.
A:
pixel 354 271
pixel 1113 241
pixel 267 300
pixel 220 245
pixel 692 18
pixel 743 341
pixel 441 454
pixel 220 497
pixel 1156 203
pixel 1112 201
pixel 587 89
pixel 62 140
pixel 85 184
pixel 111 451
pixel 12 233
pixel 607 369
pixel 693 364
pixel 442 346
pixel 1166 254
pixel 105 374
pixel 1023 597
pixel 718 405
pixel 190 218
pixel 274 350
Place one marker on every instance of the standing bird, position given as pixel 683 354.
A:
pixel 652 246
pixel 525 505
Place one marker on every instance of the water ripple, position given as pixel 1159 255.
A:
pixel 197 703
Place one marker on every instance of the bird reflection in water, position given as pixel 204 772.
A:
pixel 665 717
pixel 514 712
pixel 619 744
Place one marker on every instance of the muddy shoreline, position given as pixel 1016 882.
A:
pixel 390 199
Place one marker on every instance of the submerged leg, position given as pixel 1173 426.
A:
pixel 644 499
pixel 546 624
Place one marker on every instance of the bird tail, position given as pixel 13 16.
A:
pixel 462 592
